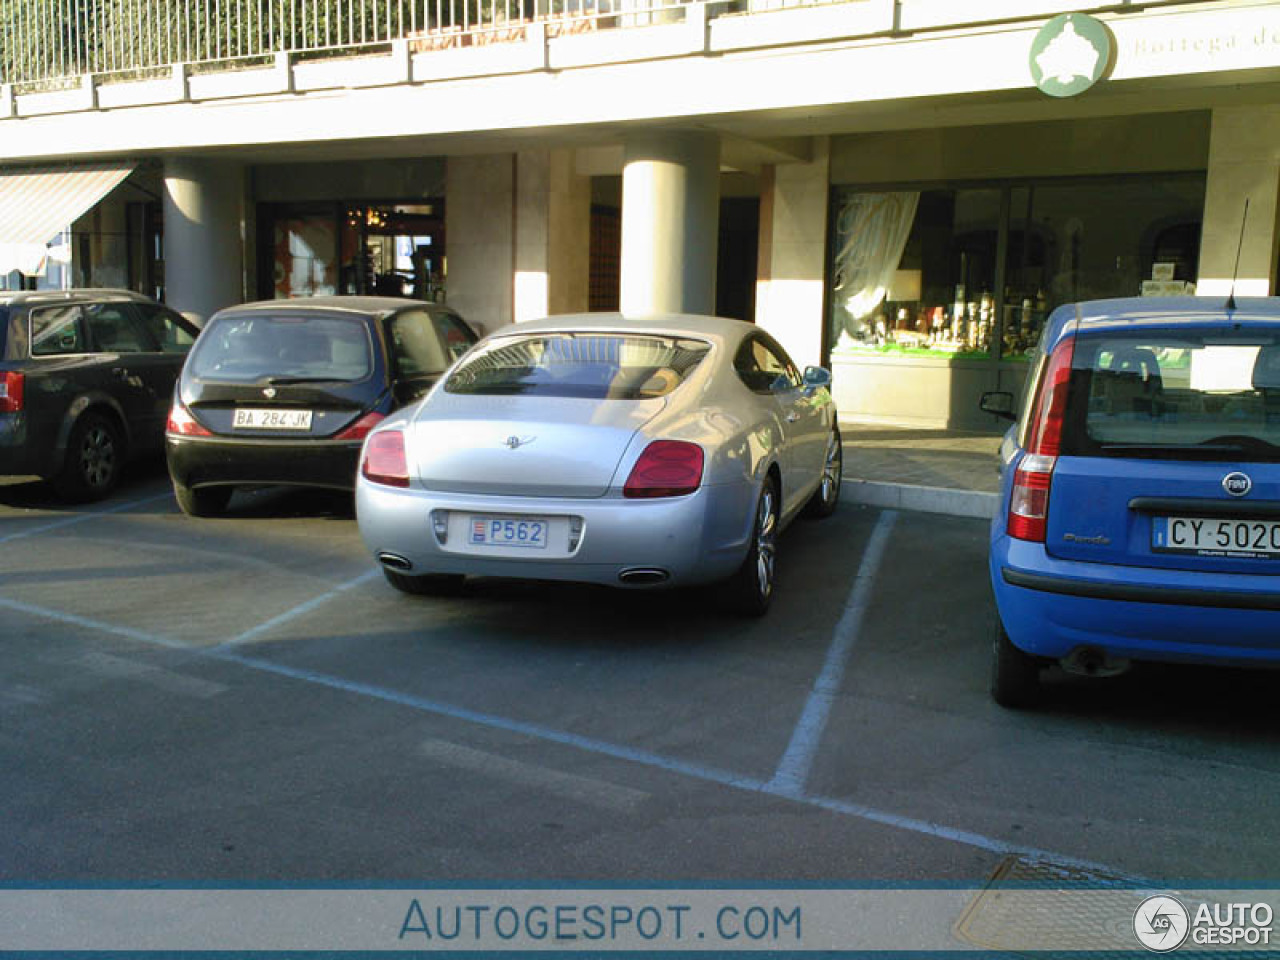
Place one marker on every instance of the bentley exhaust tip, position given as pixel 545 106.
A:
pixel 643 576
pixel 395 561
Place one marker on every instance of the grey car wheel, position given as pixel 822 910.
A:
pixel 827 496
pixel 753 585
pixel 95 454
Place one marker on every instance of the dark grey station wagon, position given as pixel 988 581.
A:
pixel 85 382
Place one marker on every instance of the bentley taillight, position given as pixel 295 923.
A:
pixel 667 468
pixel 384 459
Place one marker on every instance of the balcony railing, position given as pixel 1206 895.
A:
pixel 44 41
pixel 47 44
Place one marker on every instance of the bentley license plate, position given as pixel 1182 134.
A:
pixel 491 531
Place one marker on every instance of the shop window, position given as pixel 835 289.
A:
pixel 387 249
pixel 306 257
pixel 974 271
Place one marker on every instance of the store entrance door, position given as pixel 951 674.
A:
pixel 737 258
pixel 384 249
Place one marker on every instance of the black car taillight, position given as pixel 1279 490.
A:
pixel 12 389
pixel 362 427
pixel 1029 503
pixel 183 424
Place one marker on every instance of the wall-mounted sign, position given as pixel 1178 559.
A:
pixel 1070 54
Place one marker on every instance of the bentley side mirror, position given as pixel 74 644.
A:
pixel 815 377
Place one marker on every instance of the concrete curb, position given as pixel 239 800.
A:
pixel 906 496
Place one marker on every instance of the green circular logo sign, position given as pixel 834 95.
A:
pixel 1070 54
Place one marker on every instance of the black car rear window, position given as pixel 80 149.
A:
pixel 282 349
pixel 592 366
pixel 1199 394
pixel 57 331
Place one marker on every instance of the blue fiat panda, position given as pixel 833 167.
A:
pixel 1140 500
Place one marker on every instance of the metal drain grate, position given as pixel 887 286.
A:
pixel 1031 906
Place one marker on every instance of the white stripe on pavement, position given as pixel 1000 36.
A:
pixel 793 771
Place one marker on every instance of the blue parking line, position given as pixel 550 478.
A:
pixel 82 517
pixel 657 761
pixel 793 770
pixel 300 610
pixel 97 625
pixel 534 730
pixel 228 654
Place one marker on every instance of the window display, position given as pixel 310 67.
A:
pixel 391 249
pixel 972 272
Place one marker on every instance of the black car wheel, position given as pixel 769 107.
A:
pixel 201 501
pixel 824 499
pixel 95 454
pixel 427 585
pixel 751 589
pixel 1015 674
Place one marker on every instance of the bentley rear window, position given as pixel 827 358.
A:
pixel 1192 395
pixel 587 365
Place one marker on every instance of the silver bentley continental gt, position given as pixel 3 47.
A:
pixel 656 452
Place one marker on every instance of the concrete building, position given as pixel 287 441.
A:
pixel 897 188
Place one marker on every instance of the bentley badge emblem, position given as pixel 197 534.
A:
pixel 269 392
pixel 1237 484
pixel 513 441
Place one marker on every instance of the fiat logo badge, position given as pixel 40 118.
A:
pixel 269 392
pixel 1237 484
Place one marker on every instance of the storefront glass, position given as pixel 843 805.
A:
pixel 390 249
pixel 306 257
pixel 972 271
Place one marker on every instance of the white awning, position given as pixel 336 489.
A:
pixel 38 203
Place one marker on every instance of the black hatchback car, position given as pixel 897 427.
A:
pixel 85 382
pixel 283 392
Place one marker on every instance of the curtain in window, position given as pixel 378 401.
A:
pixel 871 232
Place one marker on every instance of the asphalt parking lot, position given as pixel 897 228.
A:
pixel 244 699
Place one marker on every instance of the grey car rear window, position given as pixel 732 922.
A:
pixel 1193 394
pixel 587 365
pixel 283 348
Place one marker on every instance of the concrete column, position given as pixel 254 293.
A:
pixel 479 214
pixel 1244 163
pixel 670 219
pixel 203 245
pixel 794 199
pixel 553 235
